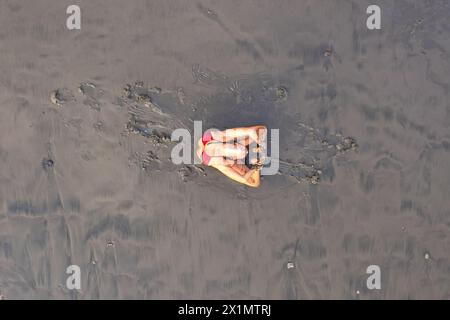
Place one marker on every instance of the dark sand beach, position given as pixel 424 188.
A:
pixel 85 171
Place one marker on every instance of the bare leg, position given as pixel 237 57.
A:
pixel 228 150
pixel 237 133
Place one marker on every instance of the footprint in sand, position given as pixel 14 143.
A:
pixel 48 164
pixel 91 93
pixel 61 96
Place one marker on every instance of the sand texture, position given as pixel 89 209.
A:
pixel 85 171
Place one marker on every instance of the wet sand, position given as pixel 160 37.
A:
pixel 86 176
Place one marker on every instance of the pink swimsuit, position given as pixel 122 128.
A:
pixel 206 137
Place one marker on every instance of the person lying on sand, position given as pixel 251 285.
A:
pixel 227 150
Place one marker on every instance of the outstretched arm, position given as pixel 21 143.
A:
pixel 250 178
pixel 221 161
